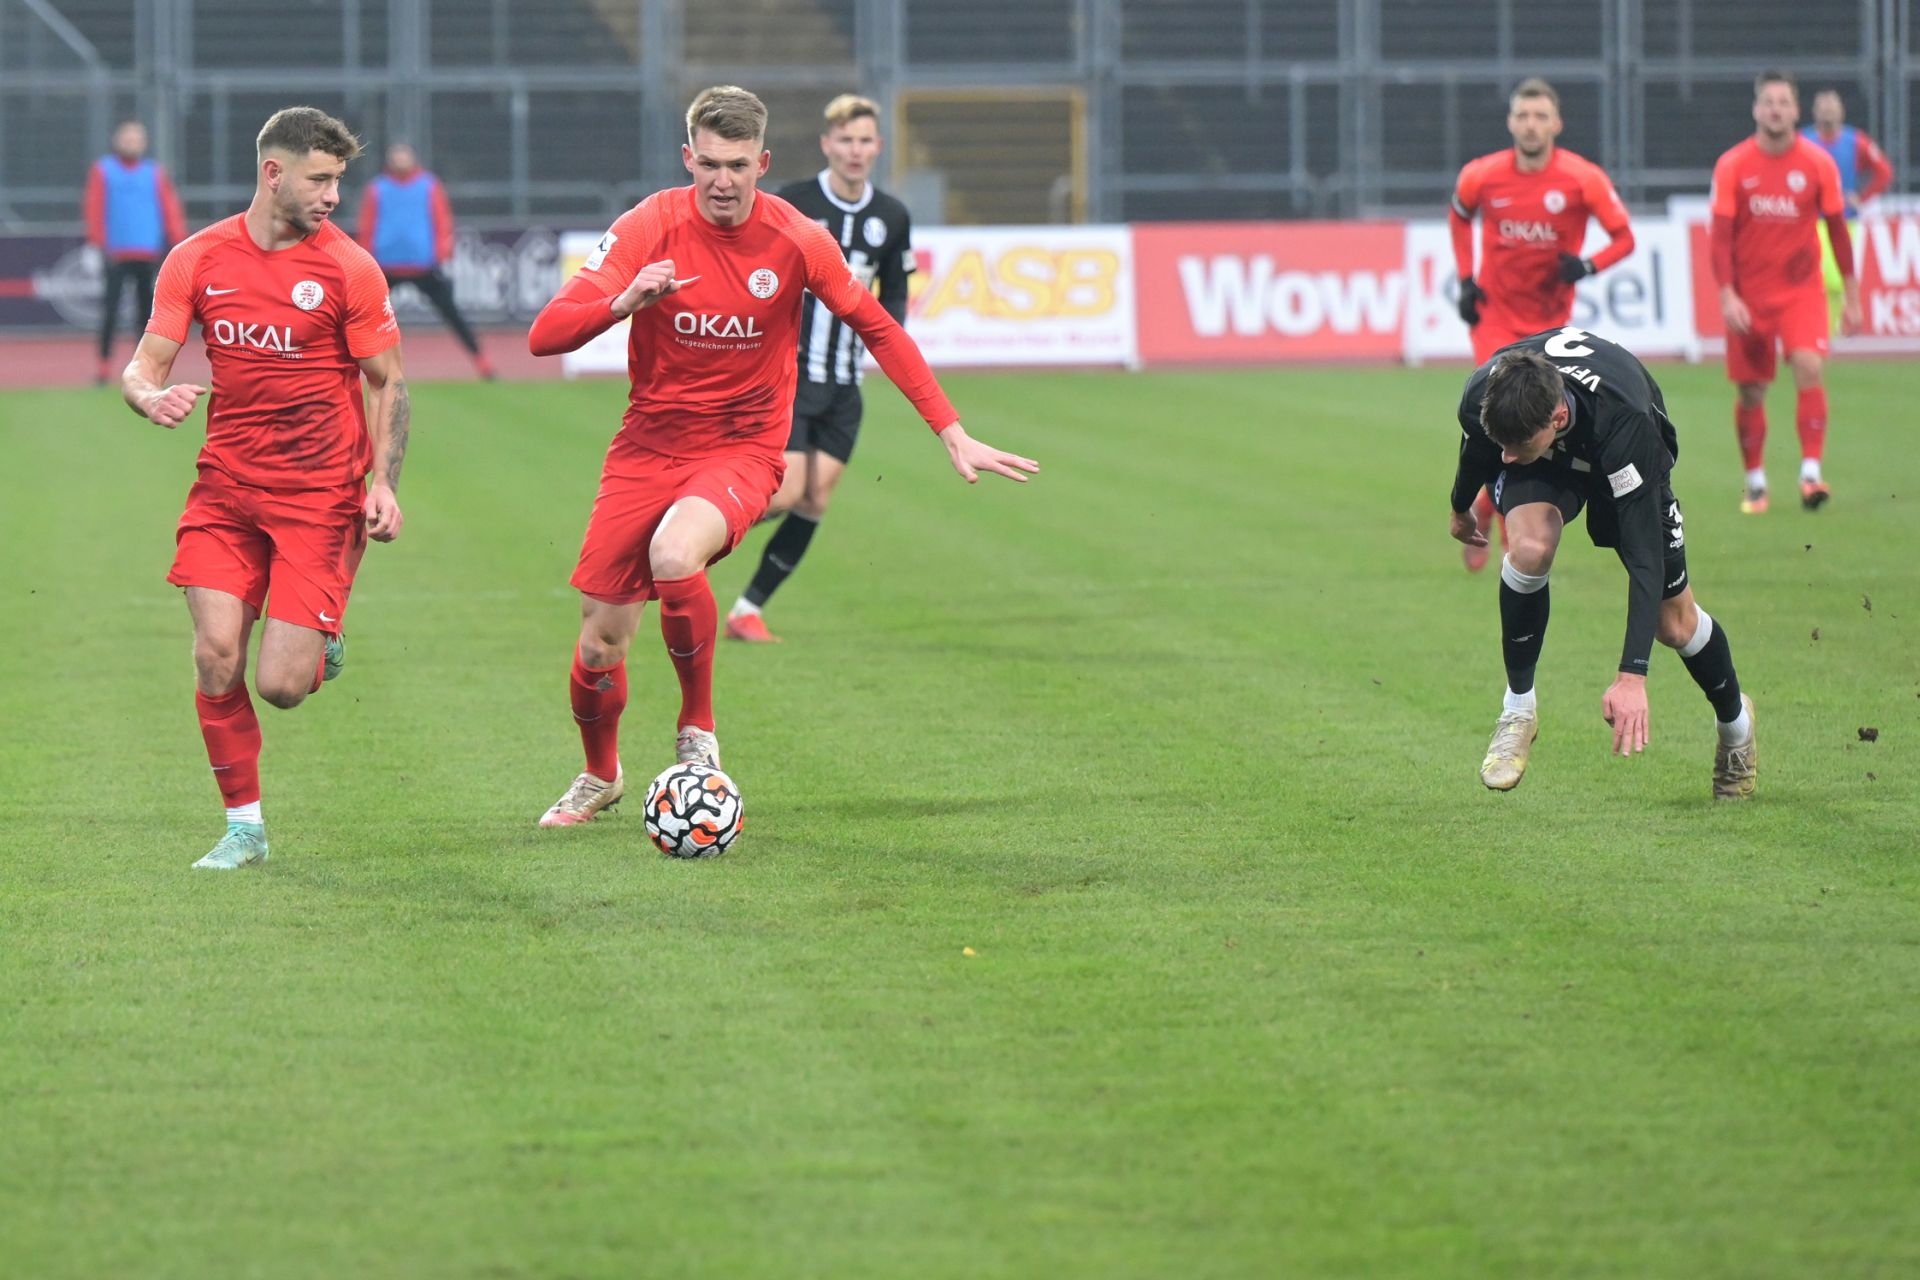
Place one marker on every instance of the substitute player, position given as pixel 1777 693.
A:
pixel 1865 172
pixel 133 216
pixel 713 275
pixel 1533 201
pixel 406 223
pixel 874 232
pixel 1768 193
pixel 294 315
pixel 1564 420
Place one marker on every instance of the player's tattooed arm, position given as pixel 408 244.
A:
pixel 389 422
pixel 399 421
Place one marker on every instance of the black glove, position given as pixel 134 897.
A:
pixel 1470 299
pixel 1572 268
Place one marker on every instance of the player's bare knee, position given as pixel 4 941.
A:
pixel 600 649
pixel 284 695
pixel 672 558
pixel 1530 553
pixel 1752 395
pixel 218 665
pixel 814 505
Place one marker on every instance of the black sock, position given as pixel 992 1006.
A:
pixel 1712 670
pixel 782 557
pixel 1523 631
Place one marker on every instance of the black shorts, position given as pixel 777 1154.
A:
pixel 1560 483
pixel 826 417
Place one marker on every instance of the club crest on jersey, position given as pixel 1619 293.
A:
pixel 1555 201
pixel 763 283
pixel 1796 180
pixel 308 294
pixel 875 230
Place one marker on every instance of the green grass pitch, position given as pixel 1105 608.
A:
pixel 1180 740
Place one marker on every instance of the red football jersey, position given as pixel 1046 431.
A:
pixel 284 332
pixel 713 363
pixel 1775 203
pixel 1527 220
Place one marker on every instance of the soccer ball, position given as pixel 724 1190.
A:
pixel 693 811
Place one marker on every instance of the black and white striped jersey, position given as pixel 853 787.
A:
pixel 875 233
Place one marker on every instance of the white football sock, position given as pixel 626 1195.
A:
pixel 1757 478
pixel 1702 632
pixel 1809 471
pixel 246 813
pixel 742 607
pixel 1518 701
pixel 1735 731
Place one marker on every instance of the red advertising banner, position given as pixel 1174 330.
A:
pixel 1240 292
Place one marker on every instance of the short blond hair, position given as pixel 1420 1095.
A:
pixel 727 111
pixel 847 108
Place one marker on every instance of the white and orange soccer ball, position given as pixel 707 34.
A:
pixel 693 811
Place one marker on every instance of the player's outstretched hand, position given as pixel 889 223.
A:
pixel 1471 296
pixel 654 282
pixel 1573 267
pixel 170 406
pixel 971 457
pixel 1466 528
pixel 382 510
pixel 1624 706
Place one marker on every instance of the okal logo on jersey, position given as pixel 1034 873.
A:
pixel 308 294
pixel 763 283
pixel 1531 232
pixel 1765 206
pixel 1555 201
pixel 875 230
pixel 704 325
pixel 261 337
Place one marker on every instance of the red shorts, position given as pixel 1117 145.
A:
pixel 293 551
pixel 1795 323
pixel 1498 329
pixel 636 489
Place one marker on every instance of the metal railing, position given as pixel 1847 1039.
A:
pixel 1222 122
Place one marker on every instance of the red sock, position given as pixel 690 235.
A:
pixel 1751 425
pixel 232 732
pixel 1810 416
pixel 689 621
pixel 598 699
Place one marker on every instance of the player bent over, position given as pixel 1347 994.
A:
pixel 1556 422
pixel 713 275
pixel 1533 200
pixel 294 315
